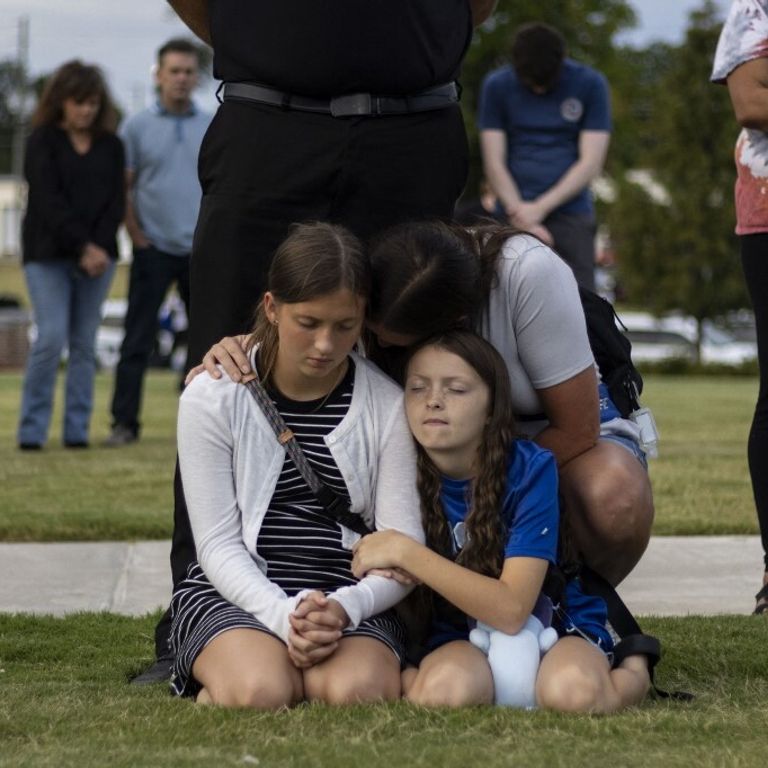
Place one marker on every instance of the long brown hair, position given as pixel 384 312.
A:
pixel 78 81
pixel 486 532
pixel 314 260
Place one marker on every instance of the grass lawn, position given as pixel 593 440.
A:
pixel 97 494
pixel 65 702
pixel 701 484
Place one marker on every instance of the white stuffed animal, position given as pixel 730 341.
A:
pixel 514 660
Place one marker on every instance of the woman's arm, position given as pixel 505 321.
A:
pixel 553 348
pixel 194 13
pixel 481 10
pixel 748 88
pixel 105 229
pixel 504 603
pixel 572 409
pixel 206 444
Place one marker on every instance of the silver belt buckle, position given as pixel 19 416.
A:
pixel 351 104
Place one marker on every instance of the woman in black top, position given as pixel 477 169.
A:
pixel 74 166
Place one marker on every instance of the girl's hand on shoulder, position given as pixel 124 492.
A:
pixel 230 354
pixel 383 550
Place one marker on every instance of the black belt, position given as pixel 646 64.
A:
pixel 349 105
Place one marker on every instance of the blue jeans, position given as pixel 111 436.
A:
pixel 152 273
pixel 67 309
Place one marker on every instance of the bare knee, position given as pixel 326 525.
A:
pixel 618 504
pixel 571 690
pixel 252 691
pixel 448 685
pixel 356 686
pixel 610 508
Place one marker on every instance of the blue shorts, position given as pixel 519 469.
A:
pixel 583 615
pixel 630 444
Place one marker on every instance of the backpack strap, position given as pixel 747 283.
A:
pixel 633 640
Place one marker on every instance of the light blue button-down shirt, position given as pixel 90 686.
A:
pixel 161 150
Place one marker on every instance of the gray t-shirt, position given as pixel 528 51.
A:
pixel 535 320
pixel 161 150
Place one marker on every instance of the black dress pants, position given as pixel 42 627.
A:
pixel 153 272
pixel 754 259
pixel 262 169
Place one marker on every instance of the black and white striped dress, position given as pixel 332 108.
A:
pixel 300 543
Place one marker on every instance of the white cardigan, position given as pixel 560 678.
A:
pixel 230 463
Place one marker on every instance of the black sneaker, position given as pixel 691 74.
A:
pixel 121 435
pixel 158 672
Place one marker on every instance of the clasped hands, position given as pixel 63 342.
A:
pixel 317 623
pixel 316 627
pixel 94 260
pixel 527 217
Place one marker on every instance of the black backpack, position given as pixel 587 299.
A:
pixel 612 351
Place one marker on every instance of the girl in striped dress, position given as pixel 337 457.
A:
pixel 271 613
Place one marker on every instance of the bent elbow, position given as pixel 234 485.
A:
pixel 584 441
pixel 512 621
pixel 750 114
pixel 753 121
pixel 587 436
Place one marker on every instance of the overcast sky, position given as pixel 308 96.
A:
pixel 122 36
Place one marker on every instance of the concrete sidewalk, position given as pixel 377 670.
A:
pixel 677 576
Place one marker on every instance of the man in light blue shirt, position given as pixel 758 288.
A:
pixel 161 148
pixel 545 125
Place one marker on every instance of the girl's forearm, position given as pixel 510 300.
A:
pixel 482 597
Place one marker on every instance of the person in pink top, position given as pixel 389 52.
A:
pixel 741 62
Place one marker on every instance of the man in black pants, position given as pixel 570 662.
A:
pixel 340 111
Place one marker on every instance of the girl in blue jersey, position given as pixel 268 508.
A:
pixel 490 512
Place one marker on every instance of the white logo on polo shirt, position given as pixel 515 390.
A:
pixel 571 110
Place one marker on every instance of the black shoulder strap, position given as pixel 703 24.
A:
pixel 336 506
pixel 633 639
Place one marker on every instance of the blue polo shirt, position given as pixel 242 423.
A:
pixel 543 129
pixel 161 150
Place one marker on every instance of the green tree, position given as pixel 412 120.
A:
pixel 682 253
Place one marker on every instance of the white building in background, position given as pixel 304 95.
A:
pixel 13 195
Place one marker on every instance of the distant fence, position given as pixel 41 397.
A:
pixel 12 200
pixel 10 231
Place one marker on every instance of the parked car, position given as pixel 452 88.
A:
pixel 170 344
pixel 674 337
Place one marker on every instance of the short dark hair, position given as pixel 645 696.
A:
pixel 179 45
pixel 538 51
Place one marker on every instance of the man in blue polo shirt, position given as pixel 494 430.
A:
pixel 545 126
pixel 161 148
